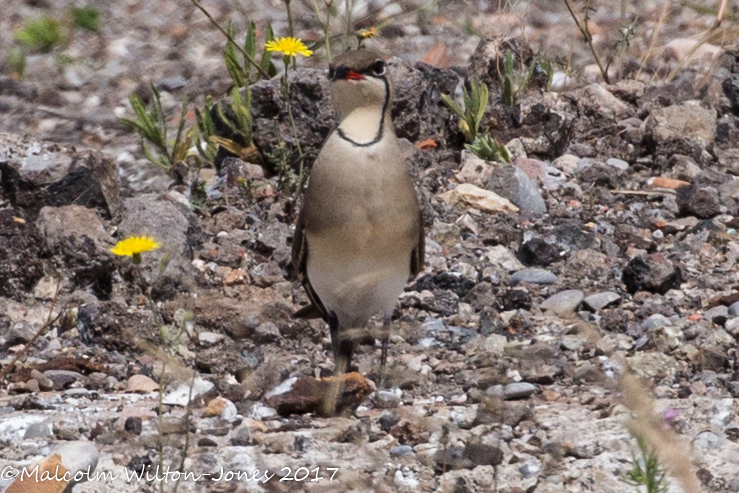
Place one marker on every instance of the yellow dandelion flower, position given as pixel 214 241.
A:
pixel 289 46
pixel 134 246
pixel 368 33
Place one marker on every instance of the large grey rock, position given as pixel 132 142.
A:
pixel 78 456
pixel 35 174
pixel 175 227
pixel 563 302
pixel 698 201
pixel 518 390
pixel 75 237
pixel 687 121
pixel 512 183
pixel 599 301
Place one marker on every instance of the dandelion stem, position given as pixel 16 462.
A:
pixel 286 92
pixel 259 68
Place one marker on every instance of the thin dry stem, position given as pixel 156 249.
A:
pixel 708 36
pixel 721 14
pixel 653 41
pixel 251 61
pixel 585 31
pixel 649 425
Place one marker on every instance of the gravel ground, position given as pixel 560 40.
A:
pixel 584 294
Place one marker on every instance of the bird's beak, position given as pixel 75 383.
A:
pixel 342 72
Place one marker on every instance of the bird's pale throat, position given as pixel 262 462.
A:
pixel 363 125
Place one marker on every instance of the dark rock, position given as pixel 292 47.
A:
pixel 452 281
pixel 483 455
pixel 600 175
pixel 62 378
pixel 538 252
pixel 653 273
pixel 133 425
pixel 36 174
pixel 718 315
pixel 703 203
pixel 104 322
pixel 207 442
pixel 443 302
pixel 418 112
pixel 75 237
pixel 730 85
pixel 573 237
pixel 512 183
pixel 515 299
pixel 20 248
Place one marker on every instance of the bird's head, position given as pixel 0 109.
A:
pixel 359 79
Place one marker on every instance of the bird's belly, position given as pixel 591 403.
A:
pixel 363 277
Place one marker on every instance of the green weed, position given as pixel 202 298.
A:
pixel 17 63
pixel 206 130
pixel 86 17
pixel 41 34
pixel 475 104
pixel 487 148
pixel 516 82
pixel 152 127
pixel 647 470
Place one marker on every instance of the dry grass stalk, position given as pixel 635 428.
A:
pixel 582 26
pixel 646 423
pixel 653 41
pixel 708 36
pixel 649 425
pixel 721 14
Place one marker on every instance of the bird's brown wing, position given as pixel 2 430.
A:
pixel 300 264
pixel 418 253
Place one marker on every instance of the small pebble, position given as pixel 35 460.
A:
pixel 519 390
pixel 400 450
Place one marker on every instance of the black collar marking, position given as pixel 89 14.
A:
pixel 378 137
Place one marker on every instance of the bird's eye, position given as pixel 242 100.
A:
pixel 378 68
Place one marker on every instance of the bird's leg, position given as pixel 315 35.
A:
pixel 331 398
pixel 333 328
pixel 385 338
pixel 346 351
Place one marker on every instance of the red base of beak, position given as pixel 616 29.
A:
pixel 352 75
